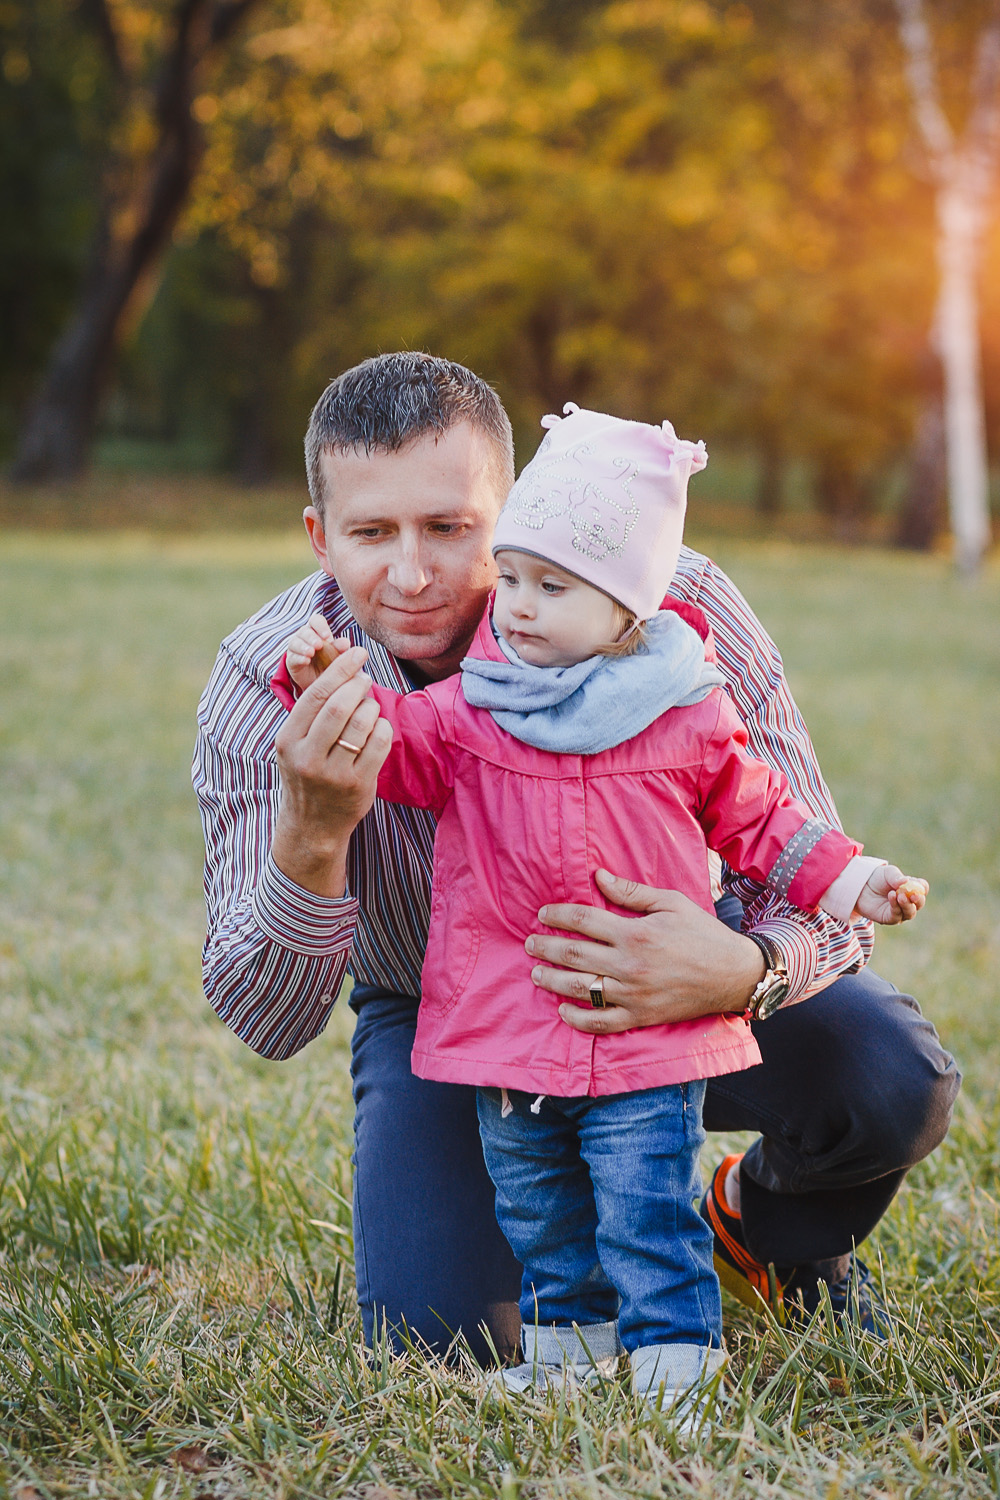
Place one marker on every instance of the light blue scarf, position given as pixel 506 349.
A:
pixel 597 703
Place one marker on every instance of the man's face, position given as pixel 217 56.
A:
pixel 407 537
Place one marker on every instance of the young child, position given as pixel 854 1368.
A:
pixel 588 727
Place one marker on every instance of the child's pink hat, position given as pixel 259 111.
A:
pixel 605 499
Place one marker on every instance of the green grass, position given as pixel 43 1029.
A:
pixel 176 1296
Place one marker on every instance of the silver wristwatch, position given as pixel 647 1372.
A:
pixel 772 991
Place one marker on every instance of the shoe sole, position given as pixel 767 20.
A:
pixel 744 1291
pixel 736 1282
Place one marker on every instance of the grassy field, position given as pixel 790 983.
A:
pixel 109 497
pixel 176 1299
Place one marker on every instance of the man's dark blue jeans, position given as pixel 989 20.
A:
pixel 596 1199
pixel 854 1089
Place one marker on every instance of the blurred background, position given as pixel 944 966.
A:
pixel 717 211
pixel 720 211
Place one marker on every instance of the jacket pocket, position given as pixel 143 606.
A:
pixel 452 950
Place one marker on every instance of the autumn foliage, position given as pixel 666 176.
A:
pixel 716 210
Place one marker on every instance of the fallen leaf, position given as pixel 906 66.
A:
pixel 193 1460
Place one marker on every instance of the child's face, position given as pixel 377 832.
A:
pixel 549 617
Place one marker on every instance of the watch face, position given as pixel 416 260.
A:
pixel 773 997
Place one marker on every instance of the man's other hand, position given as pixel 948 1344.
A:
pixel 329 750
pixel 674 962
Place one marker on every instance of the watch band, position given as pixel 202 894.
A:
pixel 773 956
pixel 772 991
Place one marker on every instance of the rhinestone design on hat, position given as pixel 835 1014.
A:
pixel 601 507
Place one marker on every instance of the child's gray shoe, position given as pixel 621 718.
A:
pixel 559 1358
pixel 679 1381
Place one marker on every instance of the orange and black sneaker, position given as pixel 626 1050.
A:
pixel 748 1279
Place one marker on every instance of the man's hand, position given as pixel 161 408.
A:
pixel 330 751
pixel 673 963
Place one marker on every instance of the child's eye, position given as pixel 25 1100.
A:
pixel 554 588
pixel 509 580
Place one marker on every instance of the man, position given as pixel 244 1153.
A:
pixel 409 459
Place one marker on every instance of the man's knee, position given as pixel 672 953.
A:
pixel 910 1098
pixel 884 1062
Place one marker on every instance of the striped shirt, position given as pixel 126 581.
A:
pixel 276 955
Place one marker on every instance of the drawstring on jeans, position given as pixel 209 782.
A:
pixel 506 1108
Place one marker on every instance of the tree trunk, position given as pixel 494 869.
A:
pixel 58 429
pixel 134 227
pixel 253 458
pixel 921 515
pixel 958 334
pixel 842 496
pixel 964 171
pixel 770 477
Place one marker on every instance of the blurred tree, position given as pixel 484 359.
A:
pixel 46 99
pixel 921 514
pixel 693 207
pixel 153 56
pixel 554 214
pixel 822 318
pixel 964 170
pixel 687 209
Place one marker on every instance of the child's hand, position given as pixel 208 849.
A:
pixel 311 650
pixel 889 896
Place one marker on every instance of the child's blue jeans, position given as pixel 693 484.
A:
pixel 596 1197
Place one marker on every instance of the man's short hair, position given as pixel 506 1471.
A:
pixel 391 400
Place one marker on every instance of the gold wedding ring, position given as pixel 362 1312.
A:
pixel 354 749
pixel 598 1000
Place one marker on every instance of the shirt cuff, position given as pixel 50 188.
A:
pixel 299 920
pixel 797 947
pixel 840 898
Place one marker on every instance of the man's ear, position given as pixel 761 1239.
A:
pixel 313 522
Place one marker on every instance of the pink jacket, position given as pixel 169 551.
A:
pixel 518 827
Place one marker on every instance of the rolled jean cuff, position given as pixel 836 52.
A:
pixel 584 1344
pixel 674 1366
